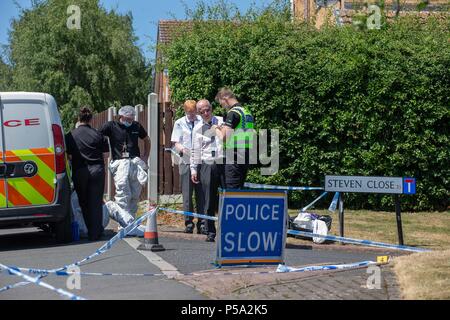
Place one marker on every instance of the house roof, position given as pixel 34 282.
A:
pixel 169 29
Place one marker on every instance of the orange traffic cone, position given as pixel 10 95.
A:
pixel 151 235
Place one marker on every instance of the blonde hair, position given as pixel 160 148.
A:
pixel 225 93
pixel 190 106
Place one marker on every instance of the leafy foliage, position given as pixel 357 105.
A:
pixel 346 101
pixel 5 76
pixel 98 65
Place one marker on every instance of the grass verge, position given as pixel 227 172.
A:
pixel 424 276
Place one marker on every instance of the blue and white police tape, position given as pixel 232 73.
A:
pixel 333 204
pixel 272 187
pixel 280 269
pixel 108 245
pixel 44 272
pixel 357 241
pixel 283 268
pixel 39 282
pixel 312 203
pixel 15 285
pixel 187 213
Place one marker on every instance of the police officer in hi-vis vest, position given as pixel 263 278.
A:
pixel 237 133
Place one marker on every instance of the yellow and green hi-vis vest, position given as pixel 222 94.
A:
pixel 242 138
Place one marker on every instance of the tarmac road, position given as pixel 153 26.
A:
pixel 33 249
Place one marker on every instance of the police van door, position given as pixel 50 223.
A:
pixel 3 194
pixel 28 158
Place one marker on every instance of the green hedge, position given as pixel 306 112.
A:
pixel 346 101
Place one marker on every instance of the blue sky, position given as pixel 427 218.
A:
pixel 146 14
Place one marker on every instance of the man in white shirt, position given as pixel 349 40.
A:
pixel 182 142
pixel 207 163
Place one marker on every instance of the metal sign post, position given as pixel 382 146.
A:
pixel 341 215
pixel 398 215
pixel 362 184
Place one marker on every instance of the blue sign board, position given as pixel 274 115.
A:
pixel 252 227
pixel 409 186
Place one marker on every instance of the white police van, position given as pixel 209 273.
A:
pixel 34 183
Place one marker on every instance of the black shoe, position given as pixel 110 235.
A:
pixel 202 230
pixel 189 229
pixel 210 238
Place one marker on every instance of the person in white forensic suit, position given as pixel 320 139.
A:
pixel 128 166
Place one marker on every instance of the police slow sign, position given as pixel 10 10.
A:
pixel 252 227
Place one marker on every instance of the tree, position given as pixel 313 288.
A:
pixel 97 64
pixel 5 76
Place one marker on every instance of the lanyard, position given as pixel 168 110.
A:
pixel 191 125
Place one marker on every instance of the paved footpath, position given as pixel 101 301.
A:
pixel 246 285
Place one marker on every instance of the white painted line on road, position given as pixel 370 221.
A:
pixel 169 270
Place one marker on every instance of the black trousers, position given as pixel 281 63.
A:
pixel 235 175
pixel 187 190
pixel 211 178
pixel 236 172
pixel 89 184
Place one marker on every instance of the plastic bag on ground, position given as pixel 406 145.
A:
pixel 311 222
pixel 105 216
pixel 78 215
pixel 304 221
pixel 319 227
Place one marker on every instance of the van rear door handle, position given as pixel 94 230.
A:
pixel 13 170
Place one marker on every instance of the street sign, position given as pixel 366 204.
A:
pixel 409 186
pixel 361 184
pixel 252 227
pixel 392 185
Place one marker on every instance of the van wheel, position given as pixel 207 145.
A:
pixel 63 229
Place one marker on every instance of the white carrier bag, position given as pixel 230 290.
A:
pixel 319 227
pixel 304 220
pixel 314 223
pixel 78 215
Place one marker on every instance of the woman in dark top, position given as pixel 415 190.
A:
pixel 85 146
